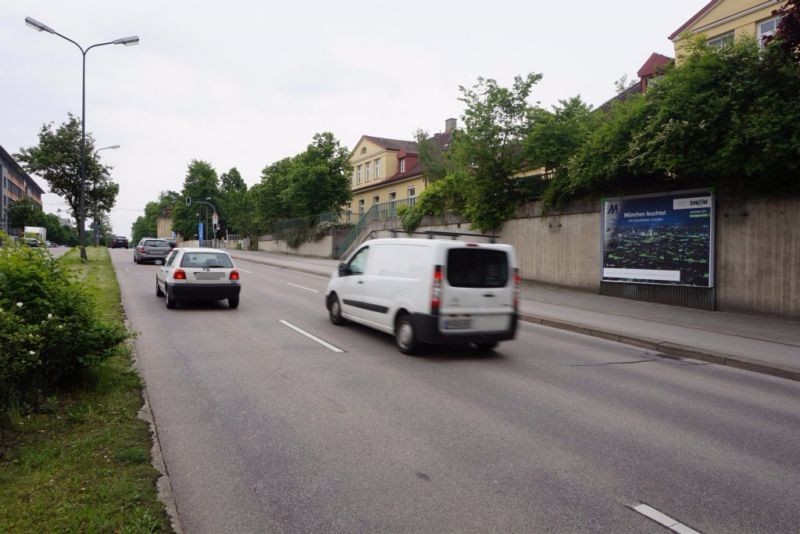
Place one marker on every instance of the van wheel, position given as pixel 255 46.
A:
pixel 486 346
pixel 405 335
pixel 159 293
pixel 335 312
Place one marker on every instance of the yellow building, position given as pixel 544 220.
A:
pixel 388 171
pixel 722 21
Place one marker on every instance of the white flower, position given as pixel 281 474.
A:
pixel 19 304
pixel 31 352
pixel 49 315
pixel 61 327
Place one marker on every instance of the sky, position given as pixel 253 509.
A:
pixel 245 83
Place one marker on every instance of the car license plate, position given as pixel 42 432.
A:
pixel 458 324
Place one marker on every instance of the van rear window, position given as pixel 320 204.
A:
pixel 475 267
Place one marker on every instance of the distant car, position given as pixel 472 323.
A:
pixel 151 250
pixel 198 274
pixel 119 241
pixel 32 242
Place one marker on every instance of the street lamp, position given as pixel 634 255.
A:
pixel 127 41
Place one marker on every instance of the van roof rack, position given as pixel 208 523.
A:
pixel 453 235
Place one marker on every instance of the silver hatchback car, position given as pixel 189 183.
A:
pixel 151 250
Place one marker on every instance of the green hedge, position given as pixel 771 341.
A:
pixel 49 327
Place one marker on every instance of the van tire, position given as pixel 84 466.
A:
pixel 405 335
pixel 335 311
pixel 484 347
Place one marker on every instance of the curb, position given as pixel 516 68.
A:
pixel 673 349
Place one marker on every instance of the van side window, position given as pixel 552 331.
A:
pixel 359 261
pixel 477 267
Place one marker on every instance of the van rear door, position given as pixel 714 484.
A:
pixel 478 289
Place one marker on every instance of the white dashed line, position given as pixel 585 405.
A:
pixel 302 287
pixel 246 271
pixel 312 337
pixel 663 519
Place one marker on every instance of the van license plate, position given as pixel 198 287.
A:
pixel 458 324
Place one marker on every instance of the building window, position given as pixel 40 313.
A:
pixel 412 195
pixel 721 40
pixel 403 165
pixel 364 150
pixel 366 172
pixel 376 199
pixel 358 174
pixel 361 207
pixel 392 196
pixel 767 28
pixel 377 168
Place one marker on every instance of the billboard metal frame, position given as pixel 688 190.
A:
pixel 712 265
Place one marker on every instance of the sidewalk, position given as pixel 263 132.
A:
pixel 761 344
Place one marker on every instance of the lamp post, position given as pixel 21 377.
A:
pixel 127 41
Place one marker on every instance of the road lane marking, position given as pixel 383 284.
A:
pixel 303 287
pixel 246 271
pixel 663 519
pixel 312 337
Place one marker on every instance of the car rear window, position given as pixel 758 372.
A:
pixel 206 259
pixel 156 243
pixel 475 267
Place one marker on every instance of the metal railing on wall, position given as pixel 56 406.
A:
pixel 381 211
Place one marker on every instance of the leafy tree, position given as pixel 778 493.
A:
pixel 57 159
pixel 147 225
pixel 787 36
pixel 201 183
pixel 431 157
pixel 555 136
pixel 232 181
pixel 496 123
pixel 59 233
pixel 319 178
pixel 272 193
pixel 25 212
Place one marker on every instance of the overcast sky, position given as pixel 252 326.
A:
pixel 246 83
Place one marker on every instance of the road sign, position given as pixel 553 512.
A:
pixel 215 220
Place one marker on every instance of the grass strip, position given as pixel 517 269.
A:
pixel 82 462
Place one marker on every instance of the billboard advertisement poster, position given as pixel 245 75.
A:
pixel 666 238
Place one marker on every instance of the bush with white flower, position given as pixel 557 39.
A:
pixel 49 328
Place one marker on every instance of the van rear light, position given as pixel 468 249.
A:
pixel 179 274
pixel 436 290
pixel 472 244
pixel 517 282
pixel 234 275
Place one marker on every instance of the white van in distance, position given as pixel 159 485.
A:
pixel 429 291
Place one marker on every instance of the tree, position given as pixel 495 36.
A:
pixel 232 181
pixel 57 159
pixel 200 184
pixel 431 157
pixel 25 212
pixel 146 225
pixel 319 178
pixel 489 148
pixel 787 37
pixel 555 136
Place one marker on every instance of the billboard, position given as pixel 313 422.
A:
pixel 666 238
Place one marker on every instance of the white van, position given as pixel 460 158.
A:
pixel 429 291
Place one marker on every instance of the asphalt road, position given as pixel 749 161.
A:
pixel 264 429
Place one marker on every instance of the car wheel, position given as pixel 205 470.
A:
pixel 233 302
pixel 335 311
pixel 405 335
pixel 159 293
pixel 486 346
pixel 169 300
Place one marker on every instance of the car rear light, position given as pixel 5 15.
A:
pixel 517 282
pixel 141 249
pixel 179 274
pixel 436 290
pixel 234 275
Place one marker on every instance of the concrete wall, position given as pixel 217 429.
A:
pixel 758 256
pixel 317 249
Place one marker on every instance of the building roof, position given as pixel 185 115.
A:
pixel 14 165
pixel 393 144
pixel 654 64
pixel 705 9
